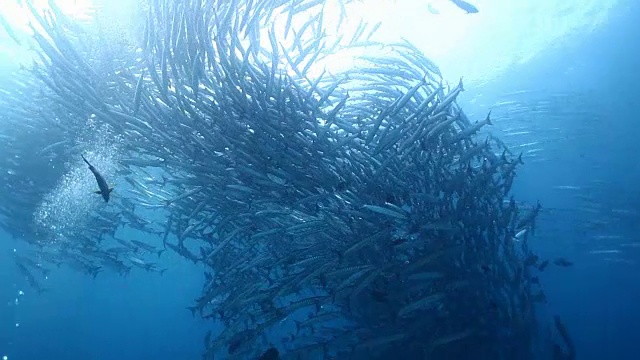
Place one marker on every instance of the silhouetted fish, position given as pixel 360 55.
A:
pixel 105 190
pixel 563 262
pixel 271 354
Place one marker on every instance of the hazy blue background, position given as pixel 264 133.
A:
pixel 112 317
pixel 591 78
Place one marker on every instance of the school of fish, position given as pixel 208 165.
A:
pixel 355 213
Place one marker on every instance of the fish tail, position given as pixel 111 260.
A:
pixel 85 160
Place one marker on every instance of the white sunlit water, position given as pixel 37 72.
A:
pixel 477 46
pixel 16 14
pixel 481 46
pixel 69 204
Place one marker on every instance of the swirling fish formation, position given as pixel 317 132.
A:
pixel 351 213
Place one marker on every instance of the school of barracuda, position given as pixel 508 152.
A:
pixel 359 211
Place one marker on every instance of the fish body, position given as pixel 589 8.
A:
pixel 468 8
pixel 105 190
pixel 271 354
pixel 520 234
pixel 563 262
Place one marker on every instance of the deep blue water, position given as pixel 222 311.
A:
pixel 111 317
pixel 144 317
pixel 596 298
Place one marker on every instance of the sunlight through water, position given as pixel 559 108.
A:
pixel 477 46
pixel 480 46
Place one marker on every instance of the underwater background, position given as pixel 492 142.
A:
pixel 561 82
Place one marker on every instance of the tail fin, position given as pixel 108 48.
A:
pixel 85 160
pixel 460 85
pixel 488 119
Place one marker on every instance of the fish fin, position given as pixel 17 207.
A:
pixel 98 192
pixel 85 160
pixel 110 190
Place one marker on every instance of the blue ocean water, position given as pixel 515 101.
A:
pixel 110 317
pixel 595 80
pixel 587 89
